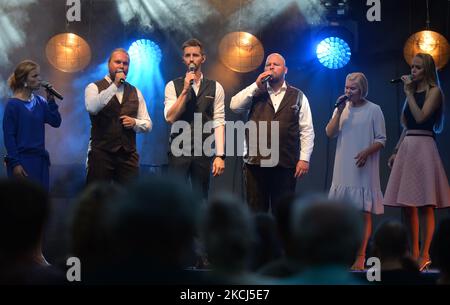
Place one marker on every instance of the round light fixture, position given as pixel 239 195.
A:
pixel 68 52
pixel 429 42
pixel 241 52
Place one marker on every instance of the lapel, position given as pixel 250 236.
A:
pixel 126 93
pixel 284 102
pixel 203 86
pixel 266 97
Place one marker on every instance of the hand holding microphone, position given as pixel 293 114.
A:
pixel 262 79
pixel 191 71
pixel 401 79
pixel 266 78
pixel 119 77
pixel 50 90
pixel 341 101
pixel 189 77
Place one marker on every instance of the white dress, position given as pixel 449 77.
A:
pixel 359 128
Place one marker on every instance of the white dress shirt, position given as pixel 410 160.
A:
pixel 218 107
pixel 242 102
pixel 96 101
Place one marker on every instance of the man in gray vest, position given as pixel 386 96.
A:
pixel 117 111
pixel 271 100
pixel 192 103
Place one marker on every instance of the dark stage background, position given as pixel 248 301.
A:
pixel 285 26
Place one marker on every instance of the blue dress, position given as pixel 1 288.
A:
pixel 24 136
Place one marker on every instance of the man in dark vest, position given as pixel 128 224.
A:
pixel 117 111
pixel 271 101
pixel 194 105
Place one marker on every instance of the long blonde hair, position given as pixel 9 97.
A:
pixel 431 78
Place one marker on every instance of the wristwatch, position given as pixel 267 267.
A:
pixel 221 157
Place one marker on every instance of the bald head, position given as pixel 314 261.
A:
pixel 276 64
pixel 276 56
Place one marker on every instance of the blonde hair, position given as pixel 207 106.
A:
pixel 429 69
pixel 361 81
pixel 432 80
pixel 19 77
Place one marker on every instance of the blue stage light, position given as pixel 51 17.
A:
pixel 144 51
pixel 333 52
pixel 145 73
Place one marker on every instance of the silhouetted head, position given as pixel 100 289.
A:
pixel 154 222
pixel 326 232
pixel 89 241
pixel 24 210
pixel 228 232
pixel 390 241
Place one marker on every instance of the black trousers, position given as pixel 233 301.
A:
pixel 195 169
pixel 120 166
pixel 266 186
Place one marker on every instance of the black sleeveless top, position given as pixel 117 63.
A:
pixel 411 122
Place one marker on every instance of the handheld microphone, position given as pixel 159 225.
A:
pixel 122 80
pixel 398 80
pixel 266 78
pixel 341 100
pixel 50 89
pixel 191 69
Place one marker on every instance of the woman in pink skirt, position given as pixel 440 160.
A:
pixel 418 182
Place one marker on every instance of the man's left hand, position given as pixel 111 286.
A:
pixel 218 166
pixel 301 169
pixel 127 122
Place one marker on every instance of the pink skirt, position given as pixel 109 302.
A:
pixel 418 177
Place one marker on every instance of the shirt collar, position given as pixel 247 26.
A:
pixel 283 88
pixel 201 78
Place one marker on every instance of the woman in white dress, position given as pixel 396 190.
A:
pixel 359 127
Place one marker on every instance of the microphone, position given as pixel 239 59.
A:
pixel 122 80
pixel 50 89
pixel 266 78
pixel 341 100
pixel 399 80
pixel 191 69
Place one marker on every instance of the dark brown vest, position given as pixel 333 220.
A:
pixel 107 132
pixel 262 110
pixel 202 103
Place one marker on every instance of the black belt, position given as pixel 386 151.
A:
pixel 421 135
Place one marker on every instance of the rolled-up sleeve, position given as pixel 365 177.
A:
pixel 242 101
pixel 170 97
pixel 219 107
pixel 143 121
pixel 306 127
pixel 96 101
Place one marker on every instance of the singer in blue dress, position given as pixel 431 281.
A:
pixel 24 122
pixel 360 130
